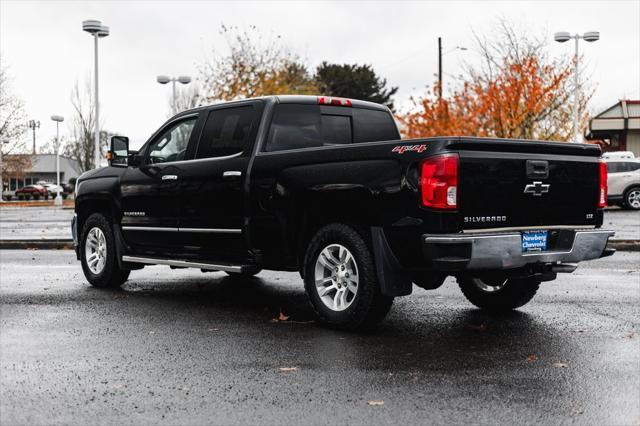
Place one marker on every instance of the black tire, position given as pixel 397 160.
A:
pixel 368 306
pixel 513 294
pixel 629 203
pixel 111 275
pixel 245 274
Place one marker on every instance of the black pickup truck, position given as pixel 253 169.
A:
pixel 326 187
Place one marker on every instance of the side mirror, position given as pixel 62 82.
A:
pixel 119 152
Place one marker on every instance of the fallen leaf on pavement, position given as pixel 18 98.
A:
pixel 559 365
pixel 288 369
pixel 480 327
pixel 630 335
pixel 532 358
pixel 376 402
pixel 281 317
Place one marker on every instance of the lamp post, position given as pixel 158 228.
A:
pixel 58 119
pixel 440 55
pixel 33 125
pixel 163 79
pixel 2 183
pixel 561 37
pixel 97 30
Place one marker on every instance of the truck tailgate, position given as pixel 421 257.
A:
pixel 527 184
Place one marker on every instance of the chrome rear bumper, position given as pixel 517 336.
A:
pixel 455 252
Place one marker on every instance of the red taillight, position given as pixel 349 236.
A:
pixel 602 194
pixel 439 181
pixel 322 100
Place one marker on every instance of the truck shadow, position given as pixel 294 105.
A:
pixel 420 333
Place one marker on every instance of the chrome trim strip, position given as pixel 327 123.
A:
pixel 182 263
pixel 202 230
pixel 527 228
pixel 149 228
pixel 212 230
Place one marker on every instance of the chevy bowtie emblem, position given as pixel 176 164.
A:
pixel 537 189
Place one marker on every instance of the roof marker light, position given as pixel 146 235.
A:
pixel 323 100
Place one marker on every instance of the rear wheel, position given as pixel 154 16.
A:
pixel 340 279
pixel 98 254
pixel 632 198
pixel 498 294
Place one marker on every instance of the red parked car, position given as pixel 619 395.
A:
pixel 32 191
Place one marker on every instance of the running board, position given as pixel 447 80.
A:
pixel 184 264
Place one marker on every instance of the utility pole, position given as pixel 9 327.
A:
pixel 439 67
pixel 33 125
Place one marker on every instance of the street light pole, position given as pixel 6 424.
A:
pixel 590 37
pixel 58 119
pixel 1 169
pixel 96 137
pixel 163 79
pixel 97 30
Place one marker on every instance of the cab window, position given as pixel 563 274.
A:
pixel 228 131
pixel 172 144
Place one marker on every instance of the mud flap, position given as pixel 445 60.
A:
pixel 394 281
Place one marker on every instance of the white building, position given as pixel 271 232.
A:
pixel 618 127
pixel 43 168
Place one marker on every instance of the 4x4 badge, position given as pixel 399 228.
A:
pixel 537 188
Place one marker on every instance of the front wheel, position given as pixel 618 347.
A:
pixel 500 294
pixel 632 198
pixel 98 254
pixel 340 279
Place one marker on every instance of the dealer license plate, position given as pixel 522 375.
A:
pixel 534 241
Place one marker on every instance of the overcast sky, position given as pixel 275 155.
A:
pixel 43 45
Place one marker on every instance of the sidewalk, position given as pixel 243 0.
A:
pixel 50 227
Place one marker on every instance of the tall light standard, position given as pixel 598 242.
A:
pixel 561 37
pixel 2 183
pixel 163 79
pixel 58 119
pixel 33 125
pixel 97 30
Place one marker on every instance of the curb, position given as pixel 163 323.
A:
pixel 49 244
pixel 624 245
pixel 67 244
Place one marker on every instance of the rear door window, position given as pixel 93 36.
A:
pixel 304 126
pixel 372 125
pixel 297 126
pixel 228 131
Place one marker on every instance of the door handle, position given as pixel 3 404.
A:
pixel 232 174
pixel 169 177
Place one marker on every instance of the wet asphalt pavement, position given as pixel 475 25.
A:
pixel 182 347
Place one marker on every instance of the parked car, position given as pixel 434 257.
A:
pixel 624 183
pixel 32 192
pixel 325 187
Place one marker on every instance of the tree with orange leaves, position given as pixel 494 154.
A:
pixel 517 92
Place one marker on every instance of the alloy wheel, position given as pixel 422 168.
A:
pixel 489 286
pixel 633 198
pixel 336 277
pixel 95 250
